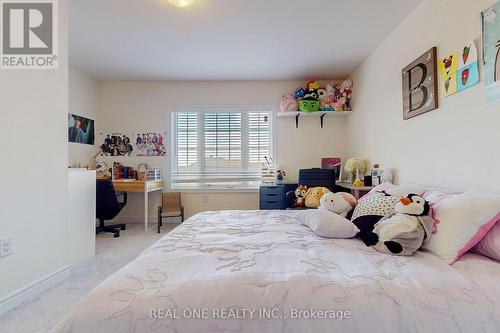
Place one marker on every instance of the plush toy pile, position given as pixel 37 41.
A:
pixel 396 224
pixel 392 224
pixel 333 97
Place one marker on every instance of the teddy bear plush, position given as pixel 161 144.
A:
pixel 405 230
pixel 314 195
pixel 340 203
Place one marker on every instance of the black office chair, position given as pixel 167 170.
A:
pixel 108 206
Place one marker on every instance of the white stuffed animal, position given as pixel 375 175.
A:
pixel 340 203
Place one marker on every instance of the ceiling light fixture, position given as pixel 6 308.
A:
pixel 181 3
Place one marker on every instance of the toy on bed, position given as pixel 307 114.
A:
pixel 288 104
pixel 300 196
pixel 371 210
pixel 405 230
pixel 314 195
pixel 340 203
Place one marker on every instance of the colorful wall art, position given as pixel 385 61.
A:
pixel 459 69
pixel 420 85
pixel 140 144
pixel 491 51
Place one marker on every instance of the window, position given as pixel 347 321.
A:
pixel 220 147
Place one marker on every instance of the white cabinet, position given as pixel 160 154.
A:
pixel 81 215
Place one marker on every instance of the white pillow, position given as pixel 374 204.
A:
pixel 462 220
pixel 327 224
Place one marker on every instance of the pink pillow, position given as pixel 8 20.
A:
pixel 490 245
pixel 462 221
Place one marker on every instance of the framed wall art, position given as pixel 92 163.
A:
pixel 420 85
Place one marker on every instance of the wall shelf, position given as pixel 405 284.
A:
pixel 318 114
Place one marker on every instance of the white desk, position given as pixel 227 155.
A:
pixel 139 186
pixel 355 190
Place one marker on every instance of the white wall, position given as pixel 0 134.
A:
pixel 454 146
pixel 83 95
pixel 33 132
pixel 138 106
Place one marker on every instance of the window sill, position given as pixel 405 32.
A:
pixel 204 188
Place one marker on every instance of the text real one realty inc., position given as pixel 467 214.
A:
pixel 240 313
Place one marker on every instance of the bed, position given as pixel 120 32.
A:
pixel 262 271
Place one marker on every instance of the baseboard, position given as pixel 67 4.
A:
pixel 30 292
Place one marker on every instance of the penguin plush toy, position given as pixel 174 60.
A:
pixel 404 231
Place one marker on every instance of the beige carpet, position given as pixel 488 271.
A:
pixel 48 308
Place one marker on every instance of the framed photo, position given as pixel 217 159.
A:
pixel 80 130
pixel 420 85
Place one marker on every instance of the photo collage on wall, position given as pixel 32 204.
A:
pixel 140 144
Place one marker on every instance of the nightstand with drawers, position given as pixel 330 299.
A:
pixel 274 196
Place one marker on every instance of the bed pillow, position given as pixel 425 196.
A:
pixel 462 220
pixel 490 245
pixel 327 224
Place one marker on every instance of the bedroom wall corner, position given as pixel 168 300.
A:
pixel 33 202
pixel 453 146
pixel 83 91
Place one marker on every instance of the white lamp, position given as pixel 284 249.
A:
pixel 181 3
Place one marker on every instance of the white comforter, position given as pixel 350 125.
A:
pixel 235 269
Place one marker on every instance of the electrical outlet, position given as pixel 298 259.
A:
pixel 205 199
pixel 6 247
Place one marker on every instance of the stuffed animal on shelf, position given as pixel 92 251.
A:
pixel 288 103
pixel 338 106
pixel 340 203
pixel 299 94
pixel 311 94
pixel 404 231
pixel 327 103
pixel 323 99
pixel 300 196
pixel 314 195
pixel 346 91
pixel 321 93
pixel 312 85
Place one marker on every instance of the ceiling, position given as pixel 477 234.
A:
pixel 228 39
